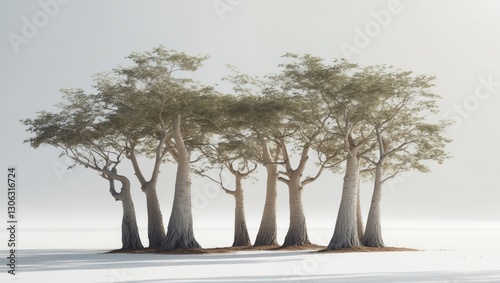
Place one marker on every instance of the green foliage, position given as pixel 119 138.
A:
pixel 331 107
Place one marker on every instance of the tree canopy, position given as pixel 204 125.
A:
pixel 376 119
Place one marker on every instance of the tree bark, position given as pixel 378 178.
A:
pixel 297 230
pixel 346 230
pixel 180 233
pixel 130 231
pixel 359 214
pixel 156 231
pixel 373 234
pixel 267 234
pixel 241 237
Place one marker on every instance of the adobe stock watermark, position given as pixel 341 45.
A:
pixel 120 275
pixel 32 25
pixel 201 199
pixel 364 36
pixel 402 177
pixel 461 111
pixel 222 7
pixel 307 266
pixel 61 168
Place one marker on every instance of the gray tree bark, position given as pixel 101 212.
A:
pixel 130 231
pixel 346 230
pixel 241 237
pixel 373 234
pixel 180 233
pixel 297 230
pixel 156 230
pixel 267 234
pixel 358 211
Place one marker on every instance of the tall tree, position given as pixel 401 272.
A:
pixel 80 130
pixel 308 118
pixel 405 137
pixel 347 94
pixel 163 108
pixel 270 157
pixel 289 117
pixel 198 109
pixel 235 155
pixel 258 114
pixel 365 92
pixel 136 95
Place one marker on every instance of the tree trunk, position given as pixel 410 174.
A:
pixel 180 233
pixel 130 231
pixel 346 230
pixel 373 235
pixel 267 234
pixel 297 230
pixel 156 231
pixel 241 237
pixel 358 211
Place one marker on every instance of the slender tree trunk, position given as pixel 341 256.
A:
pixel 156 231
pixel 346 230
pixel 180 233
pixel 241 237
pixel 297 230
pixel 358 211
pixel 373 235
pixel 267 234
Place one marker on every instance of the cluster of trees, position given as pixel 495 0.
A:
pixel 368 122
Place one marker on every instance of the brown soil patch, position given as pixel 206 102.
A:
pixel 368 250
pixel 222 250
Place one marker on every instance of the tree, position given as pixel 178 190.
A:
pixel 197 110
pixel 300 130
pixel 349 96
pixel 80 131
pixel 358 103
pixel 233 154
pixel 270 157
pixel 163 109
pixel 292 177
pixel 257 114
pixel 136 95
pixel 307 77
pixel 405 138
pixel 293 126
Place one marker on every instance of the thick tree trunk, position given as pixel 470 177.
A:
pixel 358 211
pixel 180 233
pixel 156 231
pixel 241 237
pixel 130 231
pixel 373 234
pixel 267 234
pixel 297 230
pixel 346 230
